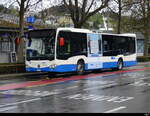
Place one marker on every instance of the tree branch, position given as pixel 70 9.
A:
pixel 70 8
pixel 30 5
pixel 90 6
pixel 76 10
pixel 18 2
pixel 98 9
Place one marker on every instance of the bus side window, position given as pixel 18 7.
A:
pixel 75 44
pixel 64 48
pixel 106 47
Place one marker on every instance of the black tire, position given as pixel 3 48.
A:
pixel 51 74
pixel 80 67
pixel 120 65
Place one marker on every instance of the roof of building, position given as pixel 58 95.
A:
pixel 9 29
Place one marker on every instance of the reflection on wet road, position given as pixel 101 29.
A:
pixel 124 91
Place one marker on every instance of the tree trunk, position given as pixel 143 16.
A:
pixel 20 50
pixel 119 18
pixel 146 40
pixel 77 25
pixel 80 11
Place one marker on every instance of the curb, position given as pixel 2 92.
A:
pixel 140 63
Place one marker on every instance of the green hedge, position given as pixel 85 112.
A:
pixel 8 68
pixel 143 58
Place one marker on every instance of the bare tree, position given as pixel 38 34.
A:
pixel 81 10
pixel 118 8
pixel 141 20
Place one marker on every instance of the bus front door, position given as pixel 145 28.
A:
pixel 94 51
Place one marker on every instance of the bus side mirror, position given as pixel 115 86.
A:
pixel 61 41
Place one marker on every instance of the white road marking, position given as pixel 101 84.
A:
pixel 116 109
pixel 99 98
pixel 72 87
pixel 26 101
pixel 30 93
pixel 8 108
pixel 37 93
pixel 98 82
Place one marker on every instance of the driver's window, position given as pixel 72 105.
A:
pixel 50 46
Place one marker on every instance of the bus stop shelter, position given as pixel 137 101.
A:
pixel 7 43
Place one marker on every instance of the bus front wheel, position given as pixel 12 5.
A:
pixel 51 74
pixel 80 67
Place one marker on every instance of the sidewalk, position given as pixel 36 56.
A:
pixel 143 63
pixel 23 74
pixel 16 70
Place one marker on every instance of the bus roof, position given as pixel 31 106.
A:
pixel 124 34
pixel 87 31
pixel 66 29
pixel 75 30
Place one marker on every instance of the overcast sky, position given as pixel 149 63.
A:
pixel 43 5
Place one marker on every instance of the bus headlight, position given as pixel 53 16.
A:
pixel 52 66
pixel 28 66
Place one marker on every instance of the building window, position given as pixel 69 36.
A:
pixel 140 46
pixel 5 44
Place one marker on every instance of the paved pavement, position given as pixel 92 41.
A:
pixel 126 91
pixel 22 74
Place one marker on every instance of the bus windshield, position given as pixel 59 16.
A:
pixel 40 45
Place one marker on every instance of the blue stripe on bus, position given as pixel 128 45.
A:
pixel 94 55
pixel 107 65
pixel 129 63
pixel 66 68
pixel 72 67
pixel 59 68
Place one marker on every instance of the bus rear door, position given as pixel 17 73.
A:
pixel 94 50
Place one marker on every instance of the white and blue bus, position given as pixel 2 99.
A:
pixel 70 49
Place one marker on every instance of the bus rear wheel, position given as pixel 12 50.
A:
pixel 120 65
pixel 80 67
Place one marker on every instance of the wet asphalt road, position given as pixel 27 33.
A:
pixel 109 91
